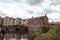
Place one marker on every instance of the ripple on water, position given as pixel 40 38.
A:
pixel 16 39
pixel 23 39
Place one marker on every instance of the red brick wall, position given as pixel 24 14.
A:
pixel 45 21
pixel 34 23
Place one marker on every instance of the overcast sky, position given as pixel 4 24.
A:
pixel 28 8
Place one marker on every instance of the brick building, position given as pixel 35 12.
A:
pixel 11 21
pixel 32 23
pixel 7 21
pixel 36 22
pixel 17 21
pixel 24 22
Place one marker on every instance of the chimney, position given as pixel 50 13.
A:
pixel 45 15
pixel 32 16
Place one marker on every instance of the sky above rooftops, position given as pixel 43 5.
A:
pixel 28 8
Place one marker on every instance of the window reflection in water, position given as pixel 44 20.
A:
pixel 9 36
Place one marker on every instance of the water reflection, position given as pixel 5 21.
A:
pixel 14 36
pixel 23 38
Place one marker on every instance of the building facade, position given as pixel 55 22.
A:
pixel 11 21
pixel 17 21
pixel 6 21
pixel 32 23
pixel 24 22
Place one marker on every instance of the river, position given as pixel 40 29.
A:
pixel 14 36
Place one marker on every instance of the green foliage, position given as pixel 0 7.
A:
pixel 22 29
pixel 48 33
pixel 45 29
pixel 1 23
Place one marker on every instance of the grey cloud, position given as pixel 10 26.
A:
pixel 18 0
pixel 55 2
pixel 34 2
pixel 6 1
pixel 2 13
pixel 47 10
pixel 40 13
pixel 54 19
pixel 30 12
pixel 30 2
pixel 57 11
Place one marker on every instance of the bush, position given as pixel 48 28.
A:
pixel 52 33
pixel 22 29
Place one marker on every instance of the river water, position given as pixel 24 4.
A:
pixel 14 36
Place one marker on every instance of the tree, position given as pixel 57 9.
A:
pixel 22 29
pixel 52 34
pixel 40 33
pixel 1 22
